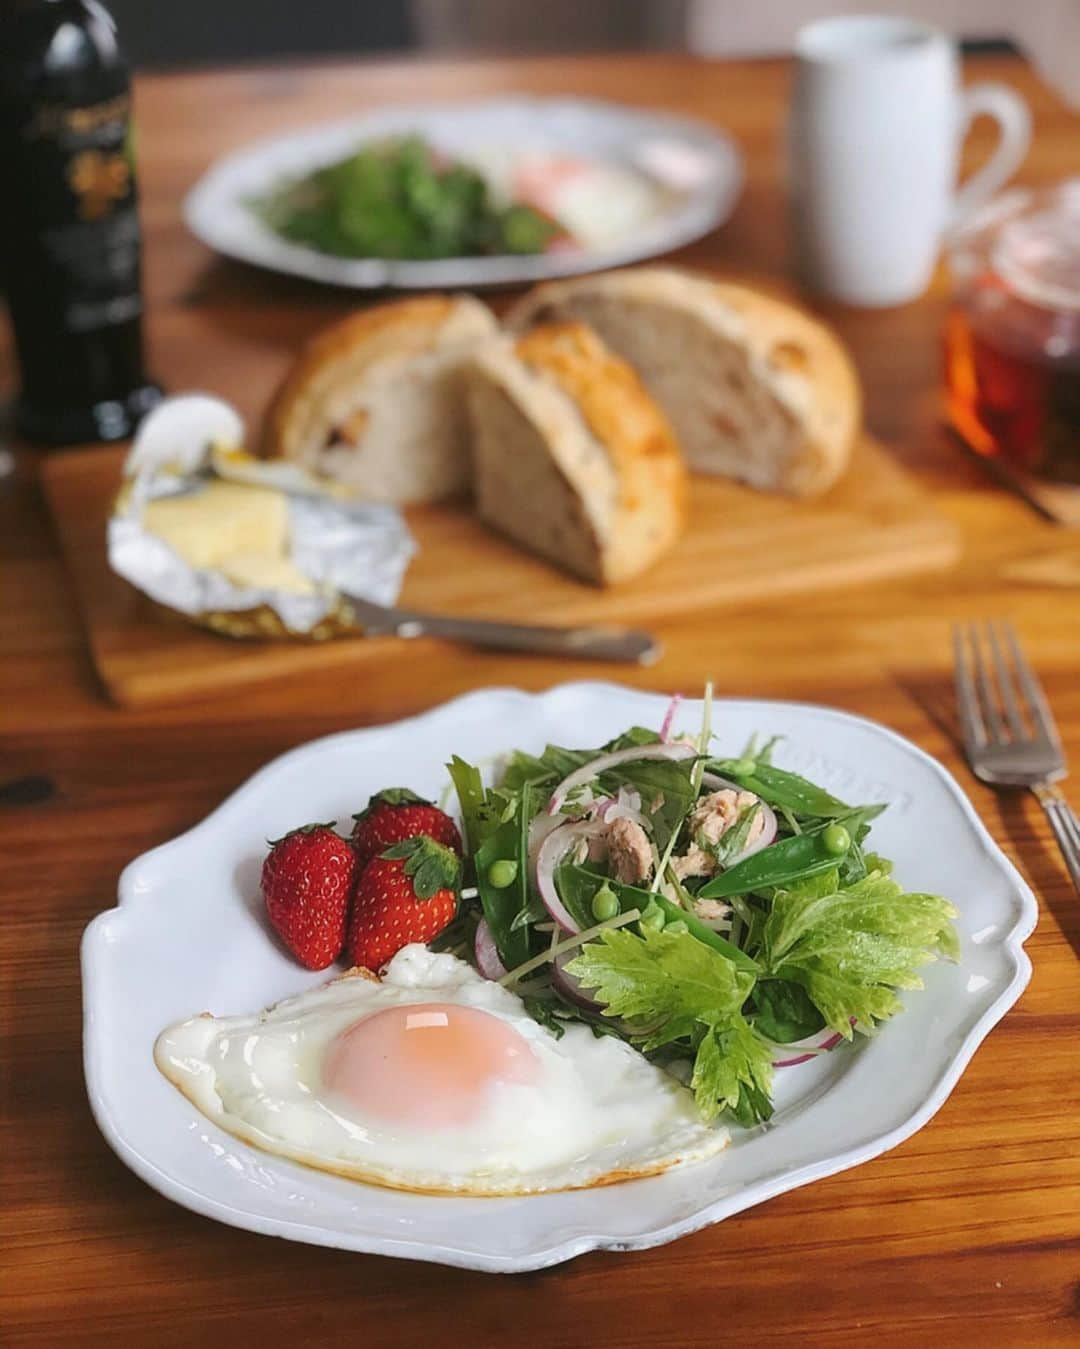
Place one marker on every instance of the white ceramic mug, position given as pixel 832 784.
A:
pixel 878 118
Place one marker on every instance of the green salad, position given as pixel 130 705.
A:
pixel 723 915
pixel 400 199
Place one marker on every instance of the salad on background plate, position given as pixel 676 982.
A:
pixel 469 193
pixel 404 198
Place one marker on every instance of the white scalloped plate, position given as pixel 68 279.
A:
pixel 188 936
pixel 709 177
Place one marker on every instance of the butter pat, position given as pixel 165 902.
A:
pixel 263 571
pixel 237 529
pixel 221 520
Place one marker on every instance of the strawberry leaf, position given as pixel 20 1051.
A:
pixel 429 865
pixel 392 796
pixel 303 829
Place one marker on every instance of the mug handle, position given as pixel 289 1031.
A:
pixel 1011 113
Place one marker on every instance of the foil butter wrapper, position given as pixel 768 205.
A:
pixel 342 545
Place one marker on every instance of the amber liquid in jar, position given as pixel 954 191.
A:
pixel 1012 350
pixel 1011 404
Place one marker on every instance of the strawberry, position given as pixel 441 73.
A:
pixel 408 893
pixel 396 814
pixel 307 882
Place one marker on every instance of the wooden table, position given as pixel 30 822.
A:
pixel 968 1233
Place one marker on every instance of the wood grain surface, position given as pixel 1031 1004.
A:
pixel 739 546
pixel 969 1233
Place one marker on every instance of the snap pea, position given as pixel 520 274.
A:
pixel 505 848
pixel 739 958
pixel 578 887
pixel 632 897
pixel 781 789
pixel 605 904
pixel 653 918
pixel 779 864
pixel 836 839
pixel 502 872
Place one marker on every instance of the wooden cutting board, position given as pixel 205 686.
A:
pixel 740 545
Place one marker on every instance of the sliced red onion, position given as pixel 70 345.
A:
pixel 539 827
pixel 669 718
pixel 544 825
pixel 552 851
pixel 815 1044
pixel 767 835
pixel 624 813
pixel 635 753
pixel 625 806
pixel 570 987
pixel 488 961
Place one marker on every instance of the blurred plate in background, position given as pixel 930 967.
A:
pixel 659 182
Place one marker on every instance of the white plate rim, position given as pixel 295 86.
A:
pixel 700 212
pixel 780 1182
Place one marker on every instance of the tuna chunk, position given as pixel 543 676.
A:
pixel 711 910
pixel 629 853
pixel 694 862
pixel 708 822
pixel 714 815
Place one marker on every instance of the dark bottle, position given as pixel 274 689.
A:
pixel 69 233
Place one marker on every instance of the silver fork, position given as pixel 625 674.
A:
pixel 1009 732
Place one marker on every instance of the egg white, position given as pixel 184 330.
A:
pixel 599 1114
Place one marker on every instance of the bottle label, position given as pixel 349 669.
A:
pixel 96 123
pixel 98 270
pixel 84 225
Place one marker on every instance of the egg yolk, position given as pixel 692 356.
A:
pixel 426 1064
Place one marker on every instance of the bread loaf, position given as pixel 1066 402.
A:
pixel 754 388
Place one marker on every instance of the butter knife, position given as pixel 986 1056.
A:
pixel 594 642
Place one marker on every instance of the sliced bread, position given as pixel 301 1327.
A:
pixel 754 388
pixel 571 457
pixel 377 400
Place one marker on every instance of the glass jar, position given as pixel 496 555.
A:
pixel 1012 338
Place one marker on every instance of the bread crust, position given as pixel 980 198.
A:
pixel 325 398
pixel 413 324
pixel 649 471
pixel 814 376
pixel 798 359
pixel 569 385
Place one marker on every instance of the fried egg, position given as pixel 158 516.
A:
pixel 434 1079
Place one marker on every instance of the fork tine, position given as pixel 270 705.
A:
pixel 986 689
pixel 1005 685
pixel 971 723
pixel 1037 705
